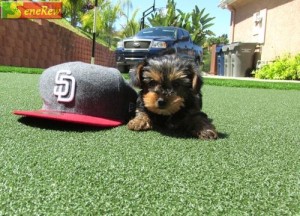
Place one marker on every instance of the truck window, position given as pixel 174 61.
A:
pixel 187 34
pixel 157 32
pixel 179 33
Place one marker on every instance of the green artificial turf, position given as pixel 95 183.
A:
pixel 13 69
pixel 255 83
pixel 58 169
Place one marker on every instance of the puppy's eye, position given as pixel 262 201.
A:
pixel 152 83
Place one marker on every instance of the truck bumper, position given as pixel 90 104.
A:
pixel 130 58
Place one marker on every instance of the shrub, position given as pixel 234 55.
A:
pixel 206 60
pixel 283 68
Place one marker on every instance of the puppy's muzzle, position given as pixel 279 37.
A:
pixel 163 100
pixel 161 103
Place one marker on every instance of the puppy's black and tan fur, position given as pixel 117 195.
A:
pixel 170 97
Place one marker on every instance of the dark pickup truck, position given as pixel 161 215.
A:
pixel 150 42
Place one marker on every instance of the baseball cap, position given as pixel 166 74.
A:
pixel 86 94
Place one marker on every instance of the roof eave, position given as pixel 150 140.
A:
pixel 225 3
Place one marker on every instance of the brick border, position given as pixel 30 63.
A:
pixel 43 44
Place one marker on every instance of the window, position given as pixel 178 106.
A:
pixel 259 26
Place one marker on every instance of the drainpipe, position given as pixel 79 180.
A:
pixel 232 10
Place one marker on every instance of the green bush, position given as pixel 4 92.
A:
pixel 206 60
pixel 283 68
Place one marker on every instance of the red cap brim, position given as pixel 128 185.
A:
pixel 69 117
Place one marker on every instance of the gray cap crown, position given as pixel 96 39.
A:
pixel 81 88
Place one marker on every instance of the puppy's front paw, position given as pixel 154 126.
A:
pixel 140 122
pixel 206 134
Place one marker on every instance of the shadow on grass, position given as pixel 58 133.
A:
pixel 183 135
pixel 67 126
pixel 58 125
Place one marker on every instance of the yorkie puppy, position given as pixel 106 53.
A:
pixel 170 97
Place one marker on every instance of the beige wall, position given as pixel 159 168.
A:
pixel 282 29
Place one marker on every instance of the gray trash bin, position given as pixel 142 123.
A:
pixel 220 60
pixel 242 58
pixel 238 59
pixel 227 60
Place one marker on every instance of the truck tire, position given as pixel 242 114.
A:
pixel 123 68
pixel 198 64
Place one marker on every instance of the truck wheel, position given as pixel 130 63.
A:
pixel 123 68
pixel 197 61
pixel 198 64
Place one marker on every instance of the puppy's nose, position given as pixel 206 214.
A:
pixel 161 102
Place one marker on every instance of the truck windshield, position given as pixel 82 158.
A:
pixel 157 32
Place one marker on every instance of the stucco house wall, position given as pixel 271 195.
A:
pixel 273 24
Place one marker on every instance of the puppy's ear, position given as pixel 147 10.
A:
pixel 196 83
pixel 195 77
pixel 136 74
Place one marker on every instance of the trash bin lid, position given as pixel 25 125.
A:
pixel 219 49
pixel 234 45
pixel 242 45
pixel 225 48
